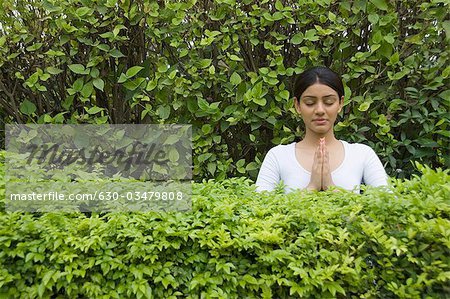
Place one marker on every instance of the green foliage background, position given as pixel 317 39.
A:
pixel 227 67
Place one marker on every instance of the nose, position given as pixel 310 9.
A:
pixel 320 108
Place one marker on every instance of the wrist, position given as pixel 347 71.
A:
pixel 326 187
pixel 312 188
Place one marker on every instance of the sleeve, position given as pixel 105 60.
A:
pixel 374 173
pixel 269 174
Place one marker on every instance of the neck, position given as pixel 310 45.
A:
pixel 313 139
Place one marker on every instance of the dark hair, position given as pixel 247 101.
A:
pixel 319 74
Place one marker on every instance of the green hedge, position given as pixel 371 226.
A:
pixel 226 67
pixel 236 243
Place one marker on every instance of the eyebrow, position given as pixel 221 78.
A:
pixel 314 97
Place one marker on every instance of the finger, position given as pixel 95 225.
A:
pixel 316 157
pixel 322 144
pixel 325 153
pixel 326 166
pixel 319 153
pixel 326 157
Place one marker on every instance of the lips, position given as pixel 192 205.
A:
pixel 320 120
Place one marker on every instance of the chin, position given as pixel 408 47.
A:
pixel 323 131
pixel 320 129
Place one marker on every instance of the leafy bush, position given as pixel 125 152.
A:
pixel 226 67
pixel 236 243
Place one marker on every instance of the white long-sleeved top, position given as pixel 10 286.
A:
pixel 360 165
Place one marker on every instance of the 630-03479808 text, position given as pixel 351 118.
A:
pixel 100 195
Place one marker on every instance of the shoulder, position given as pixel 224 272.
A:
pixel 282 149
pixel 358 148
pixel 281 153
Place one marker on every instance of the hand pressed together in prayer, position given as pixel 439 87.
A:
pixel 320 172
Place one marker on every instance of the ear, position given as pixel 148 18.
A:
pixel 341 104
pixel 297 105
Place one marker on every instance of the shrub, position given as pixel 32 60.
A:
pixel 226 67
pixel 236 243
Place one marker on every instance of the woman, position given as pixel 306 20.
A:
pixel 320 161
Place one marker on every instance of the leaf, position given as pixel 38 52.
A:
pixel 174 156
pixel 82 11
pixel 252 165
pixel 331 16
pixel 95 72
pixel 78 84
pixel 373 18
pixel 206 129
pixel 446 26
pixel 394 58
pixel 211 167
pixel 162 68
pixel 99 84
pixel 87 90
pixel 32 80
pixel 174 73
pixel 260 101
pixel 19 75
pixel 204 63
pixel 250 279
pixel 132 85
pixel 380 4
pixel 2 40
pixel 203 104
pixel 133 71
pixel 47 277
pixel 172 139
pixel 151 85
pixel 122 78
pixel 415 39
pixel 445 95
pixel 55 53
pixel 117 29
pixel 212 70
pixel 41 87
pixel 34 47
pixel 116 53
pixel 389 38
pixel 78 69
pixel 93 110
pixel 311 35
pixel 297 38
pixel 45 77
pixel 284 94
pixel 364 106
pixel 27 107
pixel 41 290
pixel 53 70
pixel 235 79
pixel 279 5
pixel 235 58
pixel 103 47
pixel 164 111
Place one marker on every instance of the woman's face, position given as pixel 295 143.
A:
pixel 319 106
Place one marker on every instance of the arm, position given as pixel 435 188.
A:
pixel 374 173
pixel 269 174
